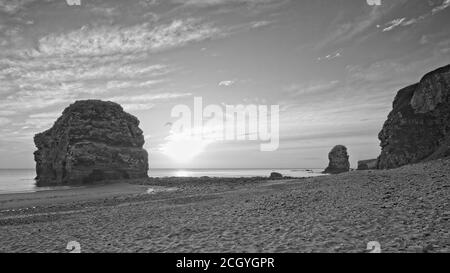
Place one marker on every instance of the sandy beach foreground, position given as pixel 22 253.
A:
pixel 405 210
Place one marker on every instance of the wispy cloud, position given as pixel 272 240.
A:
pixel 402 22
pixel 145 101
pixel 74 2
pixel 445 4
pixel 149 97
pixel 42 82
pixel 259 24
pixel 13 6
pixel 108 40
pixel 51 115
pixel 331 56
pixel 408 22
pixel 205 3
pixel 303 89
pixel 226 83
pixel 345 31
pixel 393 24
pixel 90 61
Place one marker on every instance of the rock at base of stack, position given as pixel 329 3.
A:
pixel 93 140
pixel 369 164
pixel 275 175
pixel 339 162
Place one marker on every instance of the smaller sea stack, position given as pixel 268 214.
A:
pixel 338 158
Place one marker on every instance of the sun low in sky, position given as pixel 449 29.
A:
pixel 333 67
pixel 183 148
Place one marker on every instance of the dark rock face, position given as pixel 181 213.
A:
pixel 92 140
pixel 369 164
pixel 418 127
pixel 275 175
pixel 339 163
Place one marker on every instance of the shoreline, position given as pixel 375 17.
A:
pixel 24 183
pixel 110 189
pixel 61 196
pixel 405 209
pixel 55 187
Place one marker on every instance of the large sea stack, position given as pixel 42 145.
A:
pixel 339 163
pixel 418 128
pixel 93 140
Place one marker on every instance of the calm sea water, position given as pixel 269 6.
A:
pixel 22 180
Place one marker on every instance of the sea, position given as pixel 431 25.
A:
pixel 22 180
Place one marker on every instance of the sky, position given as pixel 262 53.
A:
pixel 332 66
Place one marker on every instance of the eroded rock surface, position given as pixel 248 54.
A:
pixel 418 127
pixel 93 140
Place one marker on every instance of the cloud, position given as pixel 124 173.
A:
pixel 149 97
pixel 412 21
pixel 92 61
pixel 69 80
pixel 13 6
pixel 226 83
pixel 330 56
pixel 393 24
pixel 297 90
pixel 145 101
pixel 108 40
pixel 106 11
pixel 51 94
pixel 350 29
pixel 37 123
pixel 24 75
pixel 373 2
pixel 29 101
pixel 219 7
pixel 445 4
pixel 356 28
pixel 403 22
pixel 206 3
pixel 73 2
pixel 114 84
pixel 34 83
pixel 259 24
pixel 51 115
pixel 7 112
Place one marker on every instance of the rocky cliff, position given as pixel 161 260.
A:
pixel 338 158
pixel 92 140
pixel 418 127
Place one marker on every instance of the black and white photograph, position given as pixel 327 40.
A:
pixel 225 127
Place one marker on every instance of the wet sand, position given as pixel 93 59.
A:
pixel 66 196
pixel 405 210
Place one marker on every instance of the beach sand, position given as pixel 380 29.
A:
pixel 405 210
